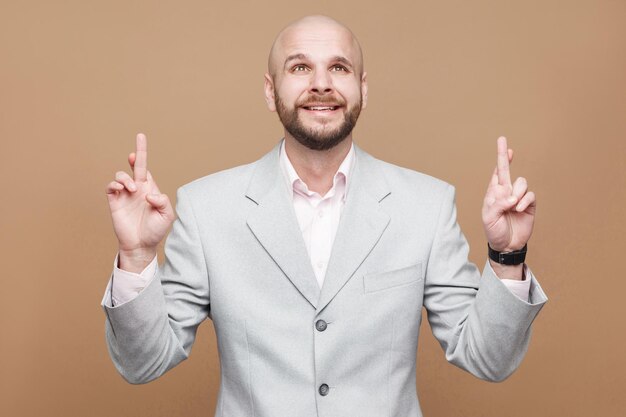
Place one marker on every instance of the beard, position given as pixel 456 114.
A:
pixel 316 139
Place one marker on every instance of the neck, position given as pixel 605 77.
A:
pixel 316 168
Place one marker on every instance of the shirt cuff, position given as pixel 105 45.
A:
pixel 521 289
pixel 125 286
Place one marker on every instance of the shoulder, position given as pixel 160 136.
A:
pixel 234 182
pixel 222 183
pixel 407 181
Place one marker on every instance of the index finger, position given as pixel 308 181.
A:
pixel 504 174
pixel 141 158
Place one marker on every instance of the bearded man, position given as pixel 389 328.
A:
pixel 315 261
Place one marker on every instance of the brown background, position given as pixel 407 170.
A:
pixel 79 79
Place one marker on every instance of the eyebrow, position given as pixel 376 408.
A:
pixel 301 56
pixel 294 57
pixel 343 60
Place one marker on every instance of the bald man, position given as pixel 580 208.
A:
pixel 315 261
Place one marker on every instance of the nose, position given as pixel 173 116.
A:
pixel 321 83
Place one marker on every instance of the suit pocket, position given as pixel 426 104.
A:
pixel 390 279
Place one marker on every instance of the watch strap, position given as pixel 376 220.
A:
pixel 515 257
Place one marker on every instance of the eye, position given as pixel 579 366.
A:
pixel 299 68
pixel 338 68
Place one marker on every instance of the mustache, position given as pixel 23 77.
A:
pixel 320 100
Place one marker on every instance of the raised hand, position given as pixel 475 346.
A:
pixel 141 214
pixel 508 211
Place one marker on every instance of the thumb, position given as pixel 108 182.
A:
pixel 494 207
pixel 161 203
pixel 502 205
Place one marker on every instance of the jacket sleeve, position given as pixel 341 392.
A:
pixel 155 331
pixel 482 327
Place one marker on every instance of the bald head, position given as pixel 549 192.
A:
pixel 316 83
pixel 315 29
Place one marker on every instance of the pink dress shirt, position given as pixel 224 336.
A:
pixel 318 217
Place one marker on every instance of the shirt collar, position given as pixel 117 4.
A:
pixel 296 184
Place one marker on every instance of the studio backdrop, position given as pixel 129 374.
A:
pixel 79 79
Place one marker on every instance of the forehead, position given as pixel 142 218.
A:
pixel 317 42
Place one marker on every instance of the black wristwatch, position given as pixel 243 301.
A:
pixel 508 258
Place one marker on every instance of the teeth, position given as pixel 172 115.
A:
pixel 322 108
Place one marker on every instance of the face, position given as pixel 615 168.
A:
pixel 317 87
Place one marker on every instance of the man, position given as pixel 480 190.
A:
pixel 315 261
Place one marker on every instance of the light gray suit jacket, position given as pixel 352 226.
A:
pixel 236 255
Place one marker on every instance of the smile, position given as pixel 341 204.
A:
pixel 321 108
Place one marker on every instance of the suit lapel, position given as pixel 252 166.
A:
pixel 361 225
pixel 273 222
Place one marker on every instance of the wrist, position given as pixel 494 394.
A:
pixel 506 257
pixel 515 272
pixel 136 260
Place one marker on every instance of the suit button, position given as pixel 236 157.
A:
pixel 324 390
pixel 320 325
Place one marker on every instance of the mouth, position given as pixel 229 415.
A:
pixel 321 108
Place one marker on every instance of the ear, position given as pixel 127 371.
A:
pixel 364 89
pixel 269 92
